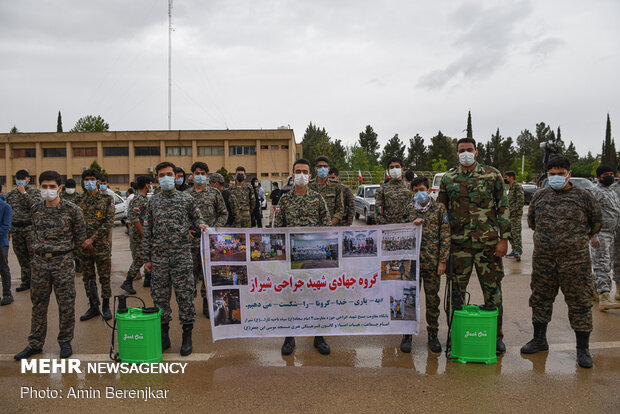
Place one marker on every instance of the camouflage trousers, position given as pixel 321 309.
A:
pixel 572 275
pixel 198 274
pixel 23 238
pixel 432 282
pixel 173 271
pixel 103 263
pixel 490 271
pixel 246 219
pixel 515 234
pixel 135 245
pixel 55 273
pixel 602 259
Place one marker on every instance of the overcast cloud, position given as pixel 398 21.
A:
pixel 404 67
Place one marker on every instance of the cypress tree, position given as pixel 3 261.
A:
pixel 59 123
pixel 470 132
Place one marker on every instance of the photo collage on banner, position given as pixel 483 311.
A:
pixel 312 281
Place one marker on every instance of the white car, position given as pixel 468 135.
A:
pixel 435 185
pixel 365 202
pixel 120 206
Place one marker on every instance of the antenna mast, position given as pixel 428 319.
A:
pixel 169 64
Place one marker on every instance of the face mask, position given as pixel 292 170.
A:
pixel 90 185
pixel 322 172
pixel 240 177
pixel 467 159
pixel 20 182
pixel 166 183
pixel 301 180
pixel 179 181
pixel 395 173
pixel 70 190
pixel 557 182
pixel 200 179
pixel 255 184
pixel 607 180
pixel 420 197
pixel 49 195
pixel 506 182
pixel 103 187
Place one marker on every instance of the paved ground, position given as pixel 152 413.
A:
pixel 363 373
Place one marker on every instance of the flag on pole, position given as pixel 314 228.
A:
pixel 359 176
pixel 387 174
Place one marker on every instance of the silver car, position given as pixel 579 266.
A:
pixel 365 202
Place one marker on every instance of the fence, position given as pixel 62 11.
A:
pixel 350 178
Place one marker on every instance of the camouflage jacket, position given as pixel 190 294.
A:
pixel 307 210
pixel 169 217
pixel 211 205
pixel 616 188
pixel 435 246
pixel 609 201
pixel 563 221
pixel 70 197
pixel 516 199
pixel 349 206
pixel 99 216
pixel 234 215
pixel 245 197
pixel 476 204
pixel 391 202
pixel 137 209
pixel 57 229
pixel 332 194
pixel 21 203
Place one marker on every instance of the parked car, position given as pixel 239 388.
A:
pixel 576 181
pixel 528 191
pixel 120 207
pixel 365 202
pixel 435 185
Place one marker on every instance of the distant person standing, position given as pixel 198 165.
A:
pixel 616 188
pixel 257 213
pixel 244 193
pixel 68 192
pixel 21 199
pixel 348 199
pixel 516 199
pixel 330 191
pixel 393 197
pixel 216 181
pixel 179 179
pixel 6 217
pixel 275 195
pixel 565 219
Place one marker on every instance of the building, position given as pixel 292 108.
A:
pixel 266 153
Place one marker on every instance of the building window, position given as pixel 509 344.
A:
pixel 2 153
pixel 284 174
pixel 211 150
pixel 274 147
pixel 264 174
pixel 275 174
pixel 243 150
pixel 3 180
pixel 147 151
pixel 116 151
pixel 284 147
pixel 264 147
pixel 54 152
pixel 118 178
pixel 85 152
pixel 24 153
pixel 178 151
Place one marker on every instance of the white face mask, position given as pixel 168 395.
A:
pixel 301 180
pixel 396 173
pixel 467 159
pixel 49 195
pixel 70 190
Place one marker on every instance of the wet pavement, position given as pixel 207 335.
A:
pixel 362 374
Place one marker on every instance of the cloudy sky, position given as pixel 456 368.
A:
pixel 404 67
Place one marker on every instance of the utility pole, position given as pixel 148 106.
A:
pixel 169 64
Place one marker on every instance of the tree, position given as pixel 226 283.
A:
pixel 228 176
pixel 338 155
pixel 14 130
pixel 442 147
pixel 470 132
pixel 499 152
pixel 315 143
pixel 357 158
pixel 59 123
pixel 417 156
pixel 95 166
pixel 440 164
pixel 571 153
pixel 609 156
pixel 91 123
pixel 369 142
pixel 393 148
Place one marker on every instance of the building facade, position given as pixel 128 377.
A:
pixel 267 153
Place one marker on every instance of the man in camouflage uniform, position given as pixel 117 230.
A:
pixel 330 191
pixel 98 208
pixel 22 233
pixel 69 192
pixel 302 207
pixel 434 254
pixel 213 209
pixel 616 188
pixel 347 198
pixel 230 201
pixel 516 199
pixel 393 197
pixel 59 228
pixel 564 219
pixel 135 217
pixel 603 250
pixel 244 193
pixel 480 225
pixel 169 217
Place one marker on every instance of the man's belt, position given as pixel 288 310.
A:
pixel 49 255
pixel 22 223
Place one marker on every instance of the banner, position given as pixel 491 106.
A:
pixel 306 281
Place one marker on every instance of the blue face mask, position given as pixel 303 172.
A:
pixel 166 183
pixel 557 182
pixel 178 181
pixel 20 182
pixel 420 197
pixel 103 187
pixel 200 179
pixel 90 185
pixel 323 171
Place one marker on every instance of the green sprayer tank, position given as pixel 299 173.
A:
pixel 139 336
pixel 474 335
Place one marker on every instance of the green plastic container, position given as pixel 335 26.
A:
pixel 474 335
pixel 139 336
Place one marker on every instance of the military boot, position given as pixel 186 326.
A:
pixel 288 346
pixel 7 297
pixel 186 346
pixel 105 309
pixel 165 338
pixel 605 302
pixel 205 307
pixel 405 344
pixel 321 345
pixel 539 342
pixel 23 286
pixel 147 280
pixel 90 313
pixel 127 286
pixel 433 342
pixel 584 359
